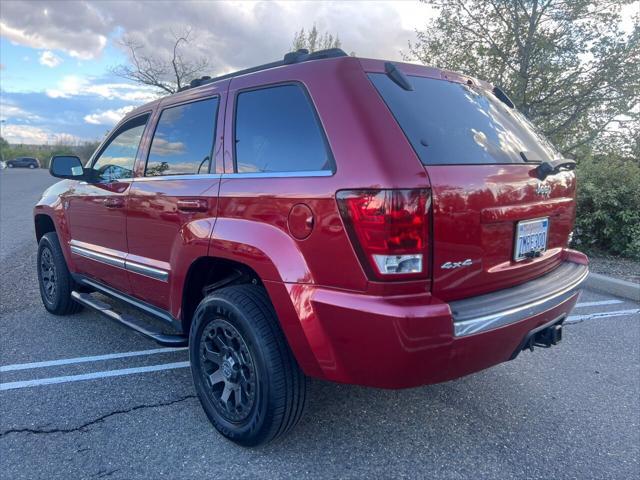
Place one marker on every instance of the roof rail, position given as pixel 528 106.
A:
pixel 299 56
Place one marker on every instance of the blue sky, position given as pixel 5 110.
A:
pixel 56 57
pixel 48 93
pixel 42 89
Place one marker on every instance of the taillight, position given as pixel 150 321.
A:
pixel 389 230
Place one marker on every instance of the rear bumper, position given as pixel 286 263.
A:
pixel 496 309
pixel 400 342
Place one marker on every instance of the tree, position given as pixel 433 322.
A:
pixel 86 149
pixel 567 65
pixel 4 147
pixel 169 74
pixel 314 41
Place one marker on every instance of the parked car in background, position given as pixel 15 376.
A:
pixel 23 162
pixel 355 220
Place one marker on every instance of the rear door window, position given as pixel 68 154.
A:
pixel 183 140
pixel 277 130
pixel 452 123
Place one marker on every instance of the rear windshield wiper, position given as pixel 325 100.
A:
pixel 554 166
pixel 549 167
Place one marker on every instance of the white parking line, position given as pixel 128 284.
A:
pixel 176 365
pixel 592 316
pixel 595 304
pixel 92 376
pixel 95 358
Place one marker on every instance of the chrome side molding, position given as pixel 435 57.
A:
pixel 152 272
pixel 98 257
pixel 118 262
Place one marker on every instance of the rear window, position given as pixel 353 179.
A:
pixel 451 123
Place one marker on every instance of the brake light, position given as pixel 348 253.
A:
pixel 389 230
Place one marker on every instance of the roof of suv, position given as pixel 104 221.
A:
pixel 291 58
pixel 303 55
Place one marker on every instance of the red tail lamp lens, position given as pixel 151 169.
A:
pixel 389 228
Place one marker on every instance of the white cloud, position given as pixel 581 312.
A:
pixel 107 117
pixel 77 27
pixel 68 86
pixel 231 35
pixel 35 135
pixel 9 111
pixel 49 59
pixel 72 85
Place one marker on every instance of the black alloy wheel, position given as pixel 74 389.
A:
pixel 229 370
pixel 54 279
pixel 48 274
pixel 246 377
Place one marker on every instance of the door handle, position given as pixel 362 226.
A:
pixel 195 205
pixel 113 202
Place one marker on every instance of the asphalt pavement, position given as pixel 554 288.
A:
pixel 82 397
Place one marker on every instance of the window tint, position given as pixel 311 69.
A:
pixel 451 123
pixel 276 130
pixel 183 140
pixel 117 159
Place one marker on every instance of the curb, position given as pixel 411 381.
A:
pixel 614 286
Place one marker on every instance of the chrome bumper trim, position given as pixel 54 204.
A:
pixel 506 316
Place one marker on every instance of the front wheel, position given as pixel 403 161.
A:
pixel 32 166
pixel 54 278
pixel 9 165
pixel 244 373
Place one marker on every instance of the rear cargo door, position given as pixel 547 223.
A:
pixel 495 223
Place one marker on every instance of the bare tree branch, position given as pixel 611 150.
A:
pixel 166 75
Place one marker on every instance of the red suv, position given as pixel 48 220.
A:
pixel 354 220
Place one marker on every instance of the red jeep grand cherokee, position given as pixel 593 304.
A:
pixel 354 220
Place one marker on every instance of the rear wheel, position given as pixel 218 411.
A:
pixel 246 377
pixel 54 278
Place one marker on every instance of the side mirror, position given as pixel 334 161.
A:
pixel 66 166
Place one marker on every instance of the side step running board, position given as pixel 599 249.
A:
pixel 89 301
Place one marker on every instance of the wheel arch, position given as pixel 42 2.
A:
pixel 43 224
pixel 206 274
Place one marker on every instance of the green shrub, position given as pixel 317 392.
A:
pixel 608 215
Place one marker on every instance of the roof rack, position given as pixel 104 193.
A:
pixel 299 56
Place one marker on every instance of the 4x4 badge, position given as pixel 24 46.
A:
pixel 544 190
pixel 465 263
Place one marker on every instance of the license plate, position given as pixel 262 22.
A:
pixel 531 238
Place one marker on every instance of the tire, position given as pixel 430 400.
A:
pixel 56 297
pixel 32 166
pixel 236 346
pixel 9 165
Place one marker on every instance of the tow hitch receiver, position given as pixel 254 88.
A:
pixel 544 336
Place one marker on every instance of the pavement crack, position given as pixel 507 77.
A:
pixel 84 426
pixel 105 473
